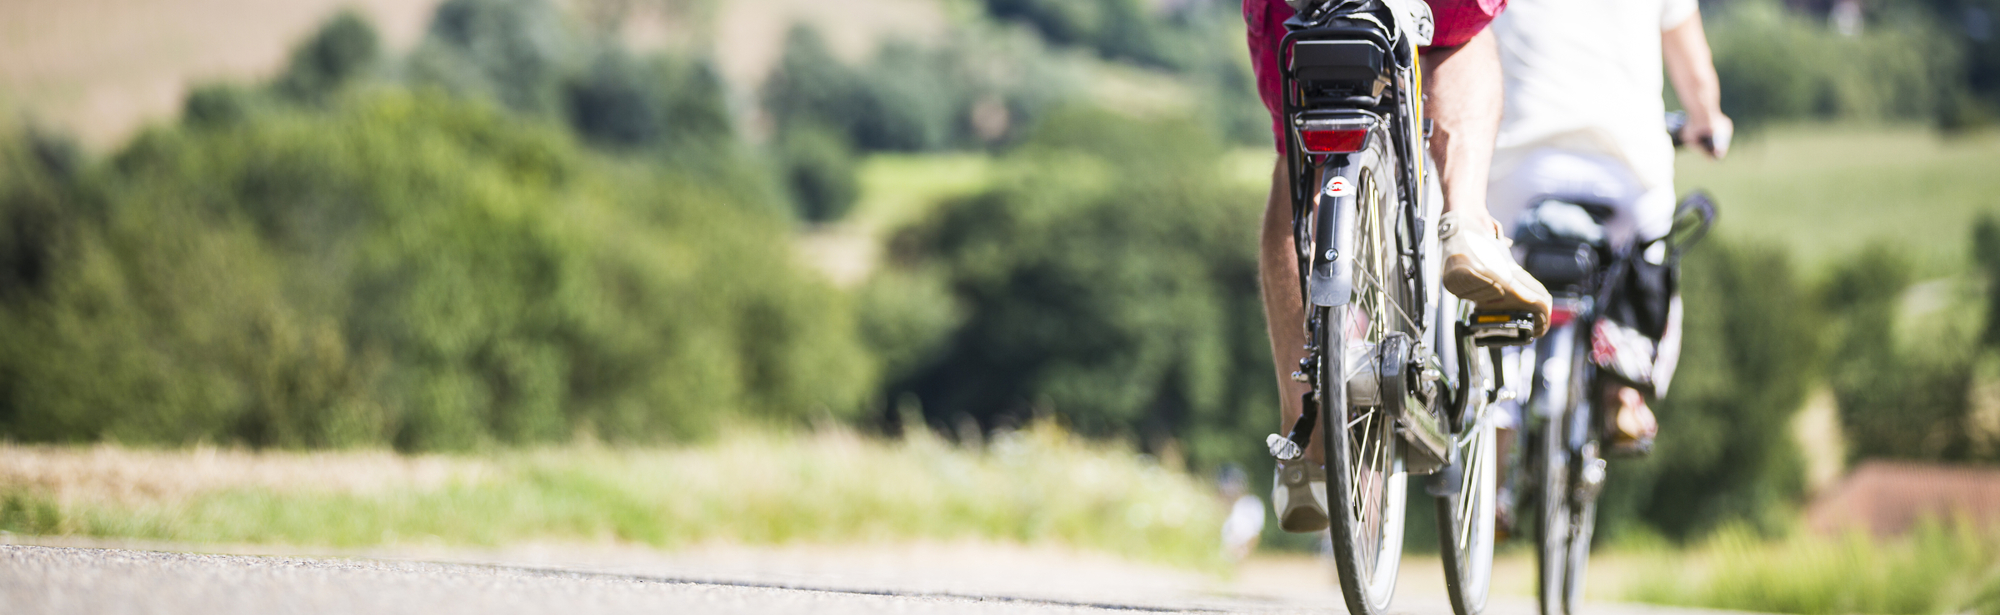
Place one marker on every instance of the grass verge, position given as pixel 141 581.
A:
pixel 1937 569
pixel 1824 191
pixel 1038 486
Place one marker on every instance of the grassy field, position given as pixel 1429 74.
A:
pixel 1036 487
pixel 1824 192
pixel 1935 570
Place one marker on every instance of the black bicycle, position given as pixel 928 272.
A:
pixel 1568 251
pixel 1399 384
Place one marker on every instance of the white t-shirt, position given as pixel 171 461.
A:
pixel 1585 75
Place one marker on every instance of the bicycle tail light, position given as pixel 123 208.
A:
pixel 1334 135
pixel 1561 314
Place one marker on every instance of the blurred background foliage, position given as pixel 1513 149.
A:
pixel 521 231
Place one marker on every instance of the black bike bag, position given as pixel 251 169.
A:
pixel 1564 242
pixel 1344 62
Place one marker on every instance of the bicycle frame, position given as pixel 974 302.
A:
pixel 1323 229
pixel 1385 358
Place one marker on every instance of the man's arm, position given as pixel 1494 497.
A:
pixel 1691 67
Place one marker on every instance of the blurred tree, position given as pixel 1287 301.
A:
pixel 342 50
pixel 1901 393
pixel 1110 280
pixel 820 172
pixel 909 101
pixel 407 269
pixel 972 90
pixel 1726 452
pixel 615 103
pixel 810 85
pixel 1778 66
pixel 1116 29
pixel 218 104
pixel 1986 261
pixel 516 51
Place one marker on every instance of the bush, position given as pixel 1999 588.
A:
pixel 1725 451
pixel 1111 281
pixel 974 90
pixel 614 103
pixel 514 51
pixel 1116 29
pixel 820 171
pixel 1775 65
pixel 342 50
pixel 1934 570
pixel 408 269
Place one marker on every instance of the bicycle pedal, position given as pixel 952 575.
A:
pixel 1502 328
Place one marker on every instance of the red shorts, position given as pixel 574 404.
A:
pixel 1457 22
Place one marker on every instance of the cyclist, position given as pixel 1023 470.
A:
pixel 1461 77
pixel 1583 121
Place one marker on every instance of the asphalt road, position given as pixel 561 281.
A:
pixel 44 579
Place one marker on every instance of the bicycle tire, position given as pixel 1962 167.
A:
pixel 1560 556
pixel 1365 502
pixel 1466 518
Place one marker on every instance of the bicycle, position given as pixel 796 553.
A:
pixel 1570 254
pixel 1400 373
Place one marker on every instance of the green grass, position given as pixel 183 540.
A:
pixel 1040 486
pixel 900 188
pixel 1934 570
pixel 1825 191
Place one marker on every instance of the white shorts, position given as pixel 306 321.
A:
pixel 1520 181
pixel 1569 175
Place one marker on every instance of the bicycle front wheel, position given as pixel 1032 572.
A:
pixel 1465 518
pixel 1566 446
pixel 1366 484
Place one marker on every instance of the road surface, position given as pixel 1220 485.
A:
pixel 38 579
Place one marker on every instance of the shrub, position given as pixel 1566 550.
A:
pixel 1725 452
pixel 1775 65
pixel 1110 281
pixel 342 50
pixel 416 270
pixel 820 171
pixel 515 51
pixel 614 103
pixel 975 89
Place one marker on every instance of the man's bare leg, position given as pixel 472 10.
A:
pixel 1462 96
pixel 1284 309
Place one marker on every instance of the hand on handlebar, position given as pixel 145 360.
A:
pixel 1709 131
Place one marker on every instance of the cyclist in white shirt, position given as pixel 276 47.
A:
pixel 1583 119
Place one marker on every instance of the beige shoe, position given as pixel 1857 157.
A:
pixel 1479 268
pixel 1299 496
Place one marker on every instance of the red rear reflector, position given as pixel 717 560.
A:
pixel 1335 141
pixel 1560 316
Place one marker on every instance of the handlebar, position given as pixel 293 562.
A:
pixel 1677 120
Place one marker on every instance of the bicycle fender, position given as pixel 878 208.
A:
pixel 1331 282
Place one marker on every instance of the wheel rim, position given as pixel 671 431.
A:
pixel 1380 308
pixel 1472 508
pixel 1583 523
pixel 1554 554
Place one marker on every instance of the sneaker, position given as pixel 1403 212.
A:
pixel 1479 268
pixel 1299 496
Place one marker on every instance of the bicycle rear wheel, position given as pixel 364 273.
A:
pixel 1366 484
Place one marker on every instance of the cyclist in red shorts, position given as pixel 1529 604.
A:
pixel 1462 92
